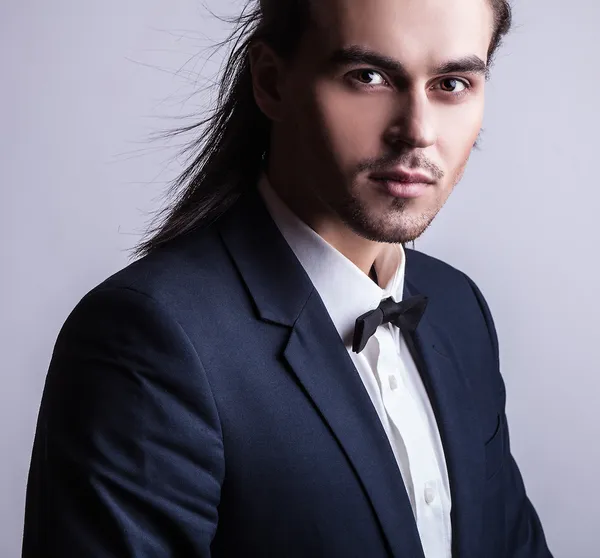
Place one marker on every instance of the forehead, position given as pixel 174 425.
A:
pixel 412 31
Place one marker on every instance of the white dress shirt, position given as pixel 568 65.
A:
pixel 385 366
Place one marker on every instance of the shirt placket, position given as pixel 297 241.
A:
pixel 411 428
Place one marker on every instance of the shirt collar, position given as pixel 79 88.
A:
pixel 345 290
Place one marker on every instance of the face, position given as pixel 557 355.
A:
pixel 380 109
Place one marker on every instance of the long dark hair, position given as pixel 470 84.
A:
pixel 227 155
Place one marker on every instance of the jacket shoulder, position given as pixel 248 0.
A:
pixel 188 267
pixel 431 274
pixel 184 283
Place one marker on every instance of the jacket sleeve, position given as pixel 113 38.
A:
pixel 128 454
pixel 524 533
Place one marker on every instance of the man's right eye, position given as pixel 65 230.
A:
pixel 369 77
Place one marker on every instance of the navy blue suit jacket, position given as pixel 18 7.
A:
pixel 201 403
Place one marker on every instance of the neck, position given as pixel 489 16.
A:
pixel 360 251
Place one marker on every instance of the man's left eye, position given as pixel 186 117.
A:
pixel 453 85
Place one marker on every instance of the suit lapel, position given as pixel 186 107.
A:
pixel 319 359
pixel 283 294
pixel 451 399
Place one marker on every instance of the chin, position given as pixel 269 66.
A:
pixel 395 229
pixel 398 222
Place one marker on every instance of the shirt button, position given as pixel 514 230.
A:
pixel 429 495
pixel 393 383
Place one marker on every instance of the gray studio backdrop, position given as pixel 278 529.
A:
pixel 85 83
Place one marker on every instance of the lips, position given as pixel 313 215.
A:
pixel 402 183
pixel 406 190
pixel 403 177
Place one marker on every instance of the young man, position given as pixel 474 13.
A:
pixel 278 376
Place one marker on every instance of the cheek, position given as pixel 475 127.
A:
pixel 350 124
pixel 457 133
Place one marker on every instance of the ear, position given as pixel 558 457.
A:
pixel 267 76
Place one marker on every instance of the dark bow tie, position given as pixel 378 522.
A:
pixel 406 315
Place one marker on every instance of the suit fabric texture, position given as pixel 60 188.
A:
pixel 200 402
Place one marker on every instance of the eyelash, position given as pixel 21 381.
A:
pixel 355 73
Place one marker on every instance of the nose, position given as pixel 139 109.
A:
pixel 413 124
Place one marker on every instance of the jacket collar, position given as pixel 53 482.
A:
pixel 271 272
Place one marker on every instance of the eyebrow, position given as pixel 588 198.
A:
pixel 359 55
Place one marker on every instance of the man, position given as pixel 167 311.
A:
pixel 278 376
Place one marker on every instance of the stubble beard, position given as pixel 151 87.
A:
pixel 401 223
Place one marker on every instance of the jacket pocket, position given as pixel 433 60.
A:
pixel 494 449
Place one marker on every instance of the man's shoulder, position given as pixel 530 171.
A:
pixel 429 273
pixel 189 267
pixel 452 294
